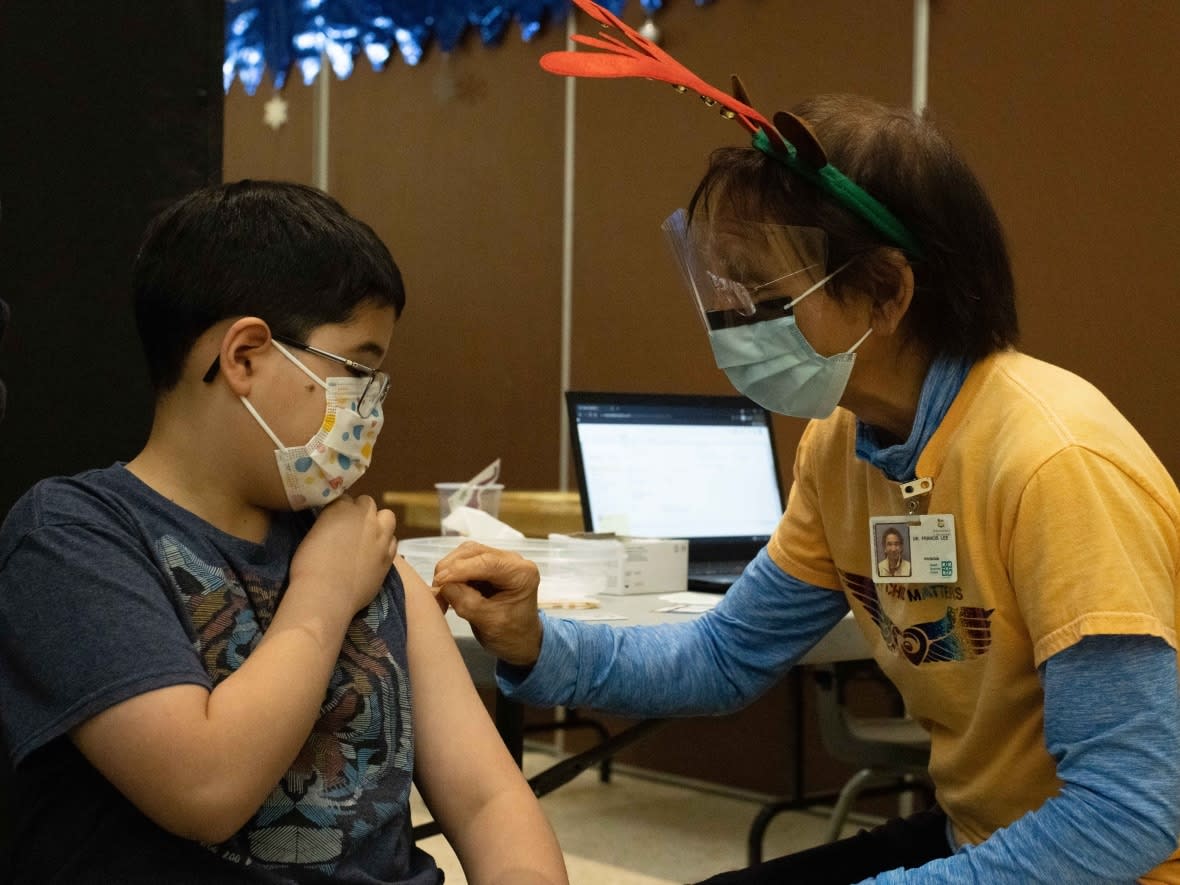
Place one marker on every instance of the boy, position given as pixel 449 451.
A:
pixel 200 680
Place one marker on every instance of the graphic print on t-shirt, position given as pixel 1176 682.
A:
pixel 353 773
pixel 962 633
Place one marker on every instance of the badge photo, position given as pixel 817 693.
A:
pixel 913 549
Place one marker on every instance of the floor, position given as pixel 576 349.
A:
pixel 639 831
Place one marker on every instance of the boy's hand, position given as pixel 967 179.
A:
pixel 348 551
pixel 496 591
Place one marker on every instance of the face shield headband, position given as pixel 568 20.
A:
pixel 789 140
pixel 742 272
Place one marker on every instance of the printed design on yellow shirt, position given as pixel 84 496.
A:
pixel 962 633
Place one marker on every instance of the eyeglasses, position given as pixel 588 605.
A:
pixel 373 394
pixel 738 304
pixel 371 397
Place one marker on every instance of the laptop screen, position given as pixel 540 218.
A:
pixel 675 466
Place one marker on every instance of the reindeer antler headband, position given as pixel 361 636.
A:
pixel 790 140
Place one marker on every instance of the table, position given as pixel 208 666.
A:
pixel 844 642
pixel 534 513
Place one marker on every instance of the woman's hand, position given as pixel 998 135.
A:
pixel 496 592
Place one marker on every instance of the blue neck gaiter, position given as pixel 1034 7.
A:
pixel 899 462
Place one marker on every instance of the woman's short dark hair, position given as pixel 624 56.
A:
pixel 284 252
pixel 964 296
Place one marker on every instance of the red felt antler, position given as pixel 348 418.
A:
pixel 645 59
pixel 789 139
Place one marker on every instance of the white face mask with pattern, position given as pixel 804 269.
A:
pixel 319 472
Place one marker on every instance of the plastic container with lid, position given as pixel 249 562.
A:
pixel 566 565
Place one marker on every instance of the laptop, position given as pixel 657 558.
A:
pixel 703 468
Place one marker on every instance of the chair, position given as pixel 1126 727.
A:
pixel 6 822
pixel 891 752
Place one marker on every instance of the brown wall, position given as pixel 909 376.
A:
pixel 457 163
pixel 1064 109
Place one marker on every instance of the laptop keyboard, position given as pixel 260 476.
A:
pixel 714 577
pixel 712 569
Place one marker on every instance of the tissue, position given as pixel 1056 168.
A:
pixel 477 524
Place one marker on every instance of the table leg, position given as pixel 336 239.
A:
pixel 510 724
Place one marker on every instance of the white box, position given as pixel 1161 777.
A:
pixel 649 565
pixel 654 565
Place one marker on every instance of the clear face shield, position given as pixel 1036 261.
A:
pixel 742 272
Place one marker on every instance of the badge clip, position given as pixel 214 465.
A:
pixel 914 492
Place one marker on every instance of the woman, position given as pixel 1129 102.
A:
pixel 1044 533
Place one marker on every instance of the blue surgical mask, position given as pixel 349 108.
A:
pixel 772 363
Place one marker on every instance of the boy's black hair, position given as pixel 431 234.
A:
pixel 285 252
pixel 964 294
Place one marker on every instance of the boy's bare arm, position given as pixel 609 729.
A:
pixel 199 763
pixel 465 774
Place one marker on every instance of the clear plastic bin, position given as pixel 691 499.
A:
pixel 566 565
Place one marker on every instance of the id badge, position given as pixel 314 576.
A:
pixel 914 549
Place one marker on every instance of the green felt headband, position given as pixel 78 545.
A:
pixel 843 189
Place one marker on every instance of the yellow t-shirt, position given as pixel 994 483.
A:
pixel 1066 526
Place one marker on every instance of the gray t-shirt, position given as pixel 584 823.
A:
pixel 107 591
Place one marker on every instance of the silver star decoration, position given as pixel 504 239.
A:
pixel 275 112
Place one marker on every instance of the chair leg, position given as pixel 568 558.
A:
pixel 758 828
pixel 844 802
pixel 797 802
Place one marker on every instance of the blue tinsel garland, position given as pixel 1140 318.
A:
pixel 277 34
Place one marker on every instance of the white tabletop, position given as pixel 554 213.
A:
pixel 844 642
